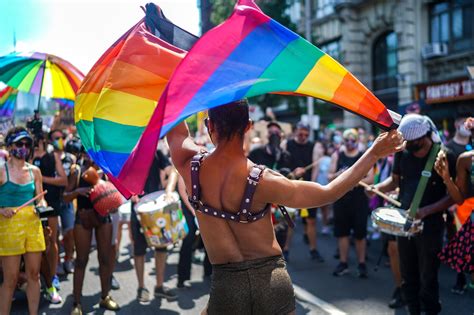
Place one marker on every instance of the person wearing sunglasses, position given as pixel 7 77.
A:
pixel 350 211
pixel 232 196
pixel 21 232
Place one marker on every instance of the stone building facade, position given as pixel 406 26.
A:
pixel 401 49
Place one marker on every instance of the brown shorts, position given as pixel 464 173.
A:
pixel 260 286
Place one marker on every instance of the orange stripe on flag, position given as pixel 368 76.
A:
pixel 350 93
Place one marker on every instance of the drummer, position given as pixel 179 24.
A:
pixel 161 175
pixel 250 251
pixel 419 263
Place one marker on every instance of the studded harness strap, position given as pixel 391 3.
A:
pixel 243 215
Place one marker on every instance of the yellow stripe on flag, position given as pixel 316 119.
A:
pixel 323 80
pixel 124 108
pixel 84 106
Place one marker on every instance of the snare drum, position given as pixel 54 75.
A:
pixel 162 221
pixel 392 221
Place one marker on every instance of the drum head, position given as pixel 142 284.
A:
pixel 126 208
pixel 394 215
pixel 155 201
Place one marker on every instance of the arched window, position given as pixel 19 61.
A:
pixel 385 69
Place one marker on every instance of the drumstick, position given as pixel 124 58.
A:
pixel 30 201
pixel 381 194
pixel 306 168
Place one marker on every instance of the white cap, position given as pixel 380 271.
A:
pixel 415 126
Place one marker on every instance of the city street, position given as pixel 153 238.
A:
pixel 317 291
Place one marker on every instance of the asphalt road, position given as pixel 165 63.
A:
pixel 317 291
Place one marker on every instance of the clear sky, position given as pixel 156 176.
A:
pixel 80 30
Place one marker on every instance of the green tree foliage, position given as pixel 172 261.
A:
pixel 277 10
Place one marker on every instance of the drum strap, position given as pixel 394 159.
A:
pixel 425 176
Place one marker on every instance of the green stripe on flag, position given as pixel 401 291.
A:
pixel 289 69
pixel 112 137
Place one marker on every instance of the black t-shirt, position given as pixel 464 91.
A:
pixel 153 182
pixel 409 168
pixel 301 156
pixel 344 162
pixel 47 166
pixel 456 148
pixel 262 157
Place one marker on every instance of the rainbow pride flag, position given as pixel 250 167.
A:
pixel 8 97
pixel 118 96
pixel 248 55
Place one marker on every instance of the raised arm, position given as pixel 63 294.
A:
pixel 299 194
pixel 182 147
pixel 458 189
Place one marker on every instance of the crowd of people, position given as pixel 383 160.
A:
pixel 32 234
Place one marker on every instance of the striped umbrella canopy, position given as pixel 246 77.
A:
pixel 40 73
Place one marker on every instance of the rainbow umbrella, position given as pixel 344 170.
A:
pixel 39 73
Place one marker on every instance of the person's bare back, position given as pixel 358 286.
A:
pixel 223 180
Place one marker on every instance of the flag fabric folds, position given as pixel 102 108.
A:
pixel 248 55
pixel 8 97
pixel 120 93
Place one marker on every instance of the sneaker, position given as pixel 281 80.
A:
pixel 60 270
pixel 341 269
pixel 76 310
pixel 460 286
pixel 114 284
pixel 362 271
pixel 143 295
pixel 326 230
pixel 55 283
pixel 52 296
pixel 109 304
pixel 183 285
pixel 397 299
pixel 315 255
pixel 286 255
pixel 164 292
pixel 68 266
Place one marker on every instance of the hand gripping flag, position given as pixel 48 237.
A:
pixel 120 93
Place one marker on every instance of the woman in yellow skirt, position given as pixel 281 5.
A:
pixel 21 232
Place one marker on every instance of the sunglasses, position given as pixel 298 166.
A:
pixel 303 135
pixel 349 141
pixel 22 144
pixel 206 122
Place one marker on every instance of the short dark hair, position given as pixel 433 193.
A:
pixel 51 133
pixel 273 124
pixel 230 119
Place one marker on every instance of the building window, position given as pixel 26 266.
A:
pixel 324 8
pixel 333 49
pixel 451 22
pixel 385 69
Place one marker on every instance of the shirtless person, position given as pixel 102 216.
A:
pixel 249 273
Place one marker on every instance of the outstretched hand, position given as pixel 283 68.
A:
pixel 388 143
pixel 441 166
